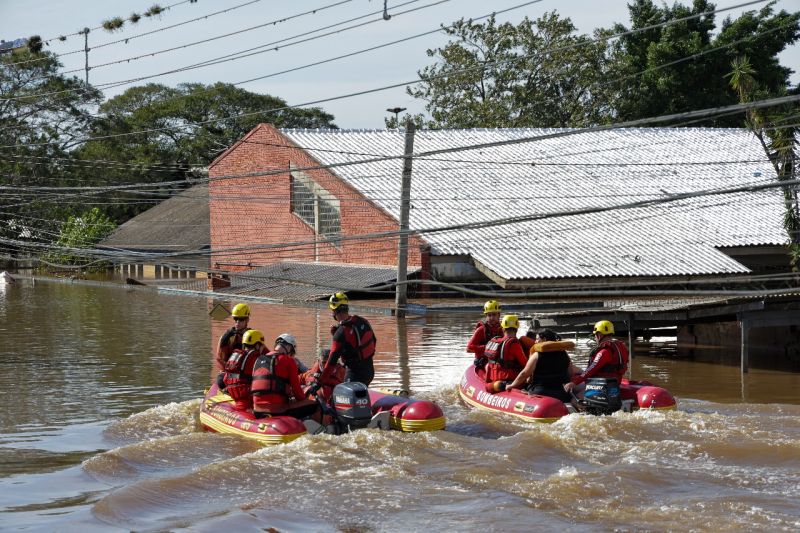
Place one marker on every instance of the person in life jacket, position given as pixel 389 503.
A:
pixel 275 387
pixel 529 339
pixel 238 370
pixel 353 342
pixel 505 358
pixel 232 339
pixel 485 331
pixel 549 367
pixel 314 375
pixel 608 360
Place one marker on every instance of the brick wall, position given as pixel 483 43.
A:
pixel 252 212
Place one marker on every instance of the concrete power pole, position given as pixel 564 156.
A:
pixel 86 51
pixel 401 289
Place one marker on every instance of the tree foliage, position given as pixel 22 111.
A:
pixel 82 231
pixel 537 73
pixel 542 73
pixel 683 66
pixel 42 113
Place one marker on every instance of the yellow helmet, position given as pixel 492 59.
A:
pixel 337 300
pixel 605 327
pixel 241 311
pixel 251 337
pixel 510 322
pixel 492 306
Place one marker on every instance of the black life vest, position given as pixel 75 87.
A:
pixel 551 369
pixel 620 357
pixel 264 380
pixel 495 352
pixel 232 339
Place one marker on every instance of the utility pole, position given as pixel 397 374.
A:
pixel 401 289
pixel 86 51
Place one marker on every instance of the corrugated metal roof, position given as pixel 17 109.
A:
pixel 567 173
pixel 294 280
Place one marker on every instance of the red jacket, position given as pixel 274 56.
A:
pixel 506 358
pixel 608 360
pixel 483 333
pixel 278 390
pixel 328 383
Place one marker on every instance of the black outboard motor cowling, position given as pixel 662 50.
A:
pixel 352 405
pixel 602 396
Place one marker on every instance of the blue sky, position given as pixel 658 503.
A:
pixel 386 66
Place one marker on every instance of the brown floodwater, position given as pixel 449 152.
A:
pixel 99 432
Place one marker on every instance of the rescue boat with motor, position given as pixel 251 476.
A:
pixel 354 407
pixel 633 395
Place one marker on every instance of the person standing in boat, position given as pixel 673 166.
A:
pixel 238 371
pixel 485 331
pixel 504 355
pixel 232 339
pixel 275 387
pixel 549 367
pixel 608 360
pixel 353 342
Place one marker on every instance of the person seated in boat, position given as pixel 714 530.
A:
pixel 549 367
pixel 232 339
pixel 238 371
pixel 505 358
pixel 609 359
pixel 314 375
pixel 275 387
pixel 485 330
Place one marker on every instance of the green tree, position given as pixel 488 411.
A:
pixel 776 130
pixel 656 78
pixel 537 73
pixel 83 231
pixel 42 114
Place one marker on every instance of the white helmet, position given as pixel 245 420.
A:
pixel 287 338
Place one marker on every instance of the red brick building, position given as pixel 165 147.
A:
pixel 267 204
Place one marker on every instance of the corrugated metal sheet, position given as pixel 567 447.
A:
pixel 565 174
pixel 290 280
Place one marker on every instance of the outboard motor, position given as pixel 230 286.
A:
pixel 602 396
pixel 352 405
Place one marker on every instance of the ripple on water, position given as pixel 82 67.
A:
pixel 160 421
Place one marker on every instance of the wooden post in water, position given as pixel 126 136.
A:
pixel 744 326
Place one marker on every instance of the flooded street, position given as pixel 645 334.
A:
pixel 99 432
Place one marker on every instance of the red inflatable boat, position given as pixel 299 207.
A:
pixel 633 394
pixel 354 407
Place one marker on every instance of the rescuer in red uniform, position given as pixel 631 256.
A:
pixel 238 374
pixel 485 331
pixel 276 382
pixel 608 360
pixel 232 339
pixel 353 342
pixel 505 357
